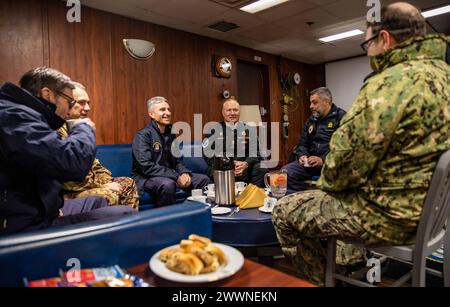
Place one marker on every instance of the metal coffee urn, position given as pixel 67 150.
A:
pixel 224 181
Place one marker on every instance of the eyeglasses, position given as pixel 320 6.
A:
pixel 69 99
pixel 365 44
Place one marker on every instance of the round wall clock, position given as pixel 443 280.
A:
pixel 223 66
pixel 297 78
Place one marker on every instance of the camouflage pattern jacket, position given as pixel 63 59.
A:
pixel 384 153
pixel 98 175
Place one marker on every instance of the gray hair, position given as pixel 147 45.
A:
pixel 152 102
pixel 79 86
pixel 323 92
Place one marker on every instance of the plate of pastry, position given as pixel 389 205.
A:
pixel 196 260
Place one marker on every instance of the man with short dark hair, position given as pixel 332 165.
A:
pixel 155 168
pixel 376 176
pixel 34 160
pixel 314 143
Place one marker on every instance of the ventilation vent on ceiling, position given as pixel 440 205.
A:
pixel 233 3
pixel 223 26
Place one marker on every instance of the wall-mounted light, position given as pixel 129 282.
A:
pixel 139 49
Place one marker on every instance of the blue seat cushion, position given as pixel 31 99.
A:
pixel 147 201
pixel 126 241
pixel 193 163
pixel 116 158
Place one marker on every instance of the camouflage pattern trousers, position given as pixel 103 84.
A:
pixel 304 220
pixel 127 195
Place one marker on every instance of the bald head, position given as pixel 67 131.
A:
pixel 405 7
pixel 230 110
pixel 402 20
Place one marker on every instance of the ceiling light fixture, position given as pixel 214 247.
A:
pixel 261 5
pixel 435 12
pixel 340 36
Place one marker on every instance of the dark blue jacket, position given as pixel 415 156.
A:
pixel 317 132
pixel 239 149
pixel 34 160
pixel 150 147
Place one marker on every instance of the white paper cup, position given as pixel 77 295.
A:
pixel 197 192
pixel 240 185
pixel 209 188
pixel 70 123
pixel 270 202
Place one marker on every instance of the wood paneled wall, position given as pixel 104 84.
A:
pixel 92 53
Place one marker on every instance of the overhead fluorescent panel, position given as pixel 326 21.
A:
pixel 340 36
pixel 261 5
pixel 232 3
pixel 436 12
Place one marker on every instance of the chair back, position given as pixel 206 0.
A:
pixel 436 209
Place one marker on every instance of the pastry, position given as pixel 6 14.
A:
pixel 211 248
pixel 199 249
pixel 185 263
pixel 197 238
pixel 194 256
pixel 212 267
pixel 166 253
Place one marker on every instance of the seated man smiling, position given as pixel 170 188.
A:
pixel 155 168
pixel 99 181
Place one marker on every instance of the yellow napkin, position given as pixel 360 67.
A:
pixel 251 197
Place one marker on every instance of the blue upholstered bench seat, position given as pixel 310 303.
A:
pixel 118 159
pixel 126 241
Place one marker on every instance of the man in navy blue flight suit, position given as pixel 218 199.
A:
pixel 314 143
pixel 34 160
pixel 155 168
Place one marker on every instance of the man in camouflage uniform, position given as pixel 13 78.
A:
pixel 99 181
pixel 381 160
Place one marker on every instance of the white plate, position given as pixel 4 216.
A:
pixel 235 263
pixel 220 210
pixel 192 199
pixel 266 209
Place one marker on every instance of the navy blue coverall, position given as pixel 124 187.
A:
pixel 315 141
pixel 156 169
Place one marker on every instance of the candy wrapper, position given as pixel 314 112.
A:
pixel 98 277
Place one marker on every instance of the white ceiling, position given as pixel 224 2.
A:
pixel 281 30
